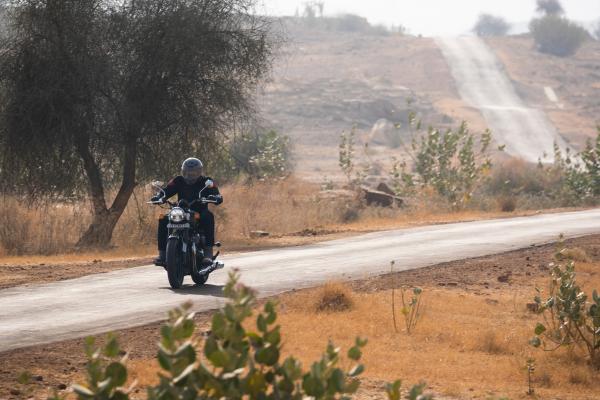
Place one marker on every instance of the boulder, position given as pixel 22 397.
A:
pixel 386 133
pixel 379 198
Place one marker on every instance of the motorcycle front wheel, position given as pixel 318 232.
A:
pixel 175 270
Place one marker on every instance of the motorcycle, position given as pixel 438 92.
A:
pixel 186 242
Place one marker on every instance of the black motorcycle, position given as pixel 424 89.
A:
pixel 186 243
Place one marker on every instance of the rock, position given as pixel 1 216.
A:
pixel 15 392
pixel 378 198
pixel 258 234
pixel 38 378
pixel 61 386
pixel 383 187
pixel 504 278
pixel 385 133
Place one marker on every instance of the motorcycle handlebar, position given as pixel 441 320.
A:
pixel 203 200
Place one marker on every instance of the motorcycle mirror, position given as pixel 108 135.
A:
pixel 209 183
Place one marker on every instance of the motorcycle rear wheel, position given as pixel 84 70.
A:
pixel 175 270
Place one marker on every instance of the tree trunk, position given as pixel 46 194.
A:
pixel 99 233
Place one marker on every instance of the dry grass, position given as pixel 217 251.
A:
pixel 464 346
pixel 333 297
pixel 290 210
pixel 576 254
pixel 507 203
pixel 289 207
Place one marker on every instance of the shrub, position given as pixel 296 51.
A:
pixel 517 177
pixel 236 363
pixel 580 173
pixel 452 162
pixel 557 35
pixel 334 297
pixel 569 318
pixel 491 344
pixel 507 203
pixel 260 155
pixel 489 25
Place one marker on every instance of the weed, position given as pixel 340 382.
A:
pixel 411 307
pixel 334 297
pixel 575 253
pixel 530 372
pixel 507 203
pixel 490 344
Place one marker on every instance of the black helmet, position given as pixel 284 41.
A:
pixel 191 170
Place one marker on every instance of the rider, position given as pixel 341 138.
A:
pixel 187 186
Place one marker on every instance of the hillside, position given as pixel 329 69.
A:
pixel 574 80
pixel 326 82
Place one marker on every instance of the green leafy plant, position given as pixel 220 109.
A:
pixel 411 307
pixel 453 162
pixel 579 173
pixel 402 182
pixel 346 154
pixel 106 372
pixel 569 318
pixel 263 155
pixel 236 362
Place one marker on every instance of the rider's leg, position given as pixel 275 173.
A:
pixel 207 223
pixel 162 238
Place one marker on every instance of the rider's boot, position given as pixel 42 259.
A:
pixel 161 260
pixel 208 256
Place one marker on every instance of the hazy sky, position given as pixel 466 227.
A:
pixel 436 17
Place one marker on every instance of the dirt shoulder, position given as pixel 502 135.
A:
pixel 28 270
pixel 475 320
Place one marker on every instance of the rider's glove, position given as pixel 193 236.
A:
pixel 217 198
pixel 157 199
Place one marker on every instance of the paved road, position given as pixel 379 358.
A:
pixel 483 84
pixel 98 303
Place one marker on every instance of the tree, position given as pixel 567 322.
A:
pixel 489 25
pixel 557 35
pixel 100 95
pixel 550 7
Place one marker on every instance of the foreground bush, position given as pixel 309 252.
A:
pixel 557 35
pixel 235 363
pixel 570 319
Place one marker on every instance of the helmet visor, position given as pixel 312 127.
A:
pixel 191 175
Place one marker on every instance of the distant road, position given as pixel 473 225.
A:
pixel 482 83
pixel 97 303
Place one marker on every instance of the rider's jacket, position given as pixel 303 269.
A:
pixel 178 186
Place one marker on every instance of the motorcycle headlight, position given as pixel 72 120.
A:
pixel 177 215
